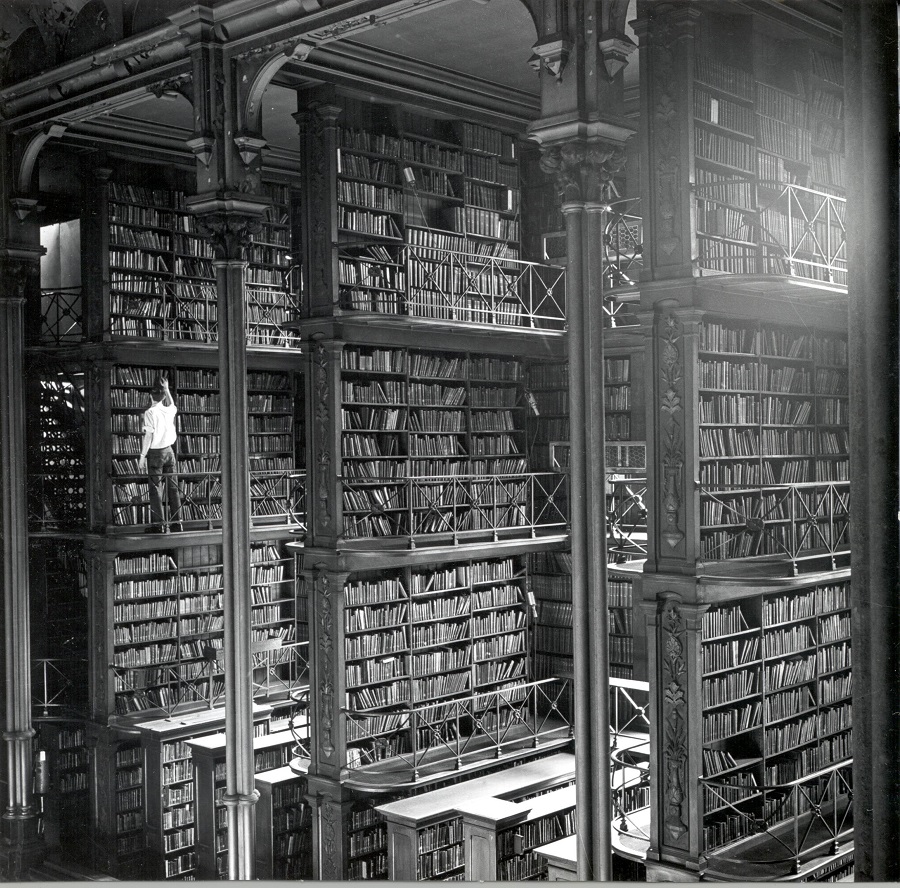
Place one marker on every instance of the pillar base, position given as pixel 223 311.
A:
pixel 21 848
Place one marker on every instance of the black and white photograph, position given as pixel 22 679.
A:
pixel 450 440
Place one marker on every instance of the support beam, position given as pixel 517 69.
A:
pixel 870 68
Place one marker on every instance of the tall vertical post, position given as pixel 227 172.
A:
pixel 598 610
pixel 870 71
pixel 584 171
pixel 21 844
pixel 229 221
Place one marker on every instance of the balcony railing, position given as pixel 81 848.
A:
pixel 59 688
pixel 458 732
pixel 279 669
pixel 626 518
pixel 456 507
pixel 444 284
pixel 800 233
pixel 623 256
pixel 800 522
pixel 172 316
pixel 800 819
pixel 61 316
pixel 630 762
pixel 57 501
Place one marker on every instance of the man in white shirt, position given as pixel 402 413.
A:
pixel 158 458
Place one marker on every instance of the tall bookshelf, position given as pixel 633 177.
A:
pixel 165 626
pixel 758 131
pixel 161 275
pixel 420 456
pixel 776 691
pixel 273 402
pixel 772 410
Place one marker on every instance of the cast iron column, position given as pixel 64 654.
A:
pixel 230 221
pixel 21 844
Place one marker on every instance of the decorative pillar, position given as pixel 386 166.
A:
pixel 871 96
pixel 229 221
pixel 21 846
pixel 324 504
pixel 584 172
pixel 675 742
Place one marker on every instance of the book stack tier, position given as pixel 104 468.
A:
pixel 491 190
pixel 724 154
pixel 273 405
pixel 167 626
pixel 550 580
pixel 772 411
pixel 776 684
pixel 448 191
pixel 129 805
pixel 414 637
pixel 620 598
pixel 162 281
pixel 423 434
pixel 826 121
pixel 271 289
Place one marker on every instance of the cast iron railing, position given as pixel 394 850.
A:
pixel 800 233
pixel 808 817
pixel 279 669
pixel 796 521
pixel 59 688
pixel 445 284
pixel 458 506
pixel 626 518
pixel 460 731
pixel 630 755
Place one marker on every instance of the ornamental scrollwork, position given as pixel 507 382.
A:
pixel 672 433
pixel 323 452
pixel 674 706
pixel 331 815
pixel 326 646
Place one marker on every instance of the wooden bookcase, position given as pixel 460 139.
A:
pixel 284 823
pixel 271 751
pixel 425 832
pixel 161 275
pixel 172 824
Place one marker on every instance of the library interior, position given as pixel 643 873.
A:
pixel 292 591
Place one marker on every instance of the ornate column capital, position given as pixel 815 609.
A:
pixel 584 170
pixel 229 223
